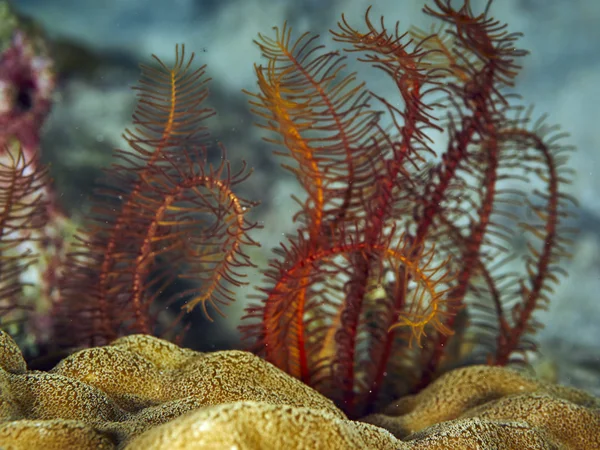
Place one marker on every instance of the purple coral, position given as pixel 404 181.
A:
pixel 27 81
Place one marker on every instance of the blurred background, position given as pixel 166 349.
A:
pixel 100 43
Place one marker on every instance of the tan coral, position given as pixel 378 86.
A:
pixel 480 405
pixel 52 434
pixel 139 371
pixel 253 425
pixel 145 393
pixel 134 384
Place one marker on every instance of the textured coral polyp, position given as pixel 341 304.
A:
pixel 480 402
pixel 145 393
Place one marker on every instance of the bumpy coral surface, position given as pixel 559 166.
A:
pixel 484 406
pixel 145 393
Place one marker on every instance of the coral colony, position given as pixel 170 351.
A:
pixel 404 263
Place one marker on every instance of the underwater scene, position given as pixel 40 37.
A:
pixel 275 224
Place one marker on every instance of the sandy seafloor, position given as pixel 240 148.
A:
pixel 560 77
